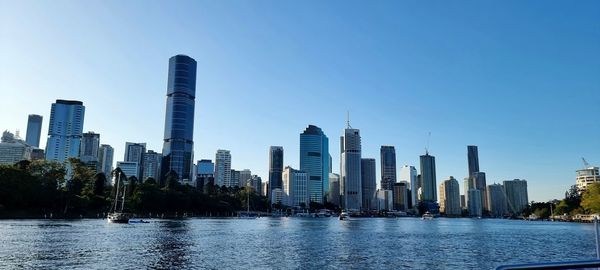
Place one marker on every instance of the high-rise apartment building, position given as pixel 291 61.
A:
pixel 516 195
pixel 474 203
pixel 245 176
pixel 90 146
pixel 450 197
pixel 129 169
pixel 350 169
pixel 105 157
pixel 295 187
pixel 34 130
pixel 473 159
pixel 409 174
pixel 235 178
pixel 587 177
pixel 275 168
pixel 65 130
pixel 334 189
pixel 400 194
pixel 428 178
pixel 314 160
pixel 151 165
pixel 496 200
pixel 178 143
pixel 13 150
pixel 368 182
pixel 223 168
pixel 388 167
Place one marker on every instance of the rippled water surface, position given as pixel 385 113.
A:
pixel 278 243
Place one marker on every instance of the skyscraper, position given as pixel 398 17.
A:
pixel 479 182
pixel 65 130
pixel 223 168
pixel 179 119
pixel 350 171
pixel 368 182
pixel 134 152
pixel 334 189
pixel 450 197
pixel 516 195
pixel 473 159
pixel 474 203
pixel 409 174
pixel 245 176
pixel 235 179
pixel 314 160
pixel 295 187
pixel 428 178
pixel 275 168
pixel 151 165
pixel 496 200
pixel 388 167
pixel 34 130
pixel 106 159
pixel 400 196
pixel 90 145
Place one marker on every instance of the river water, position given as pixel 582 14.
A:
pixel 290 243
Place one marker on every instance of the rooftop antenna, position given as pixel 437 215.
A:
pixel 348 120
pixel 427 147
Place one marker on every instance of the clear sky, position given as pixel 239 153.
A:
pixel 520 79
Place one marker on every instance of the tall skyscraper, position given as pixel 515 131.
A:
pixel 206 167
pixel 516 195
pixel 129 169
pixel 473 159
pixel 388 167
pixel 223 168
pixel 275 168
pixel 314 160
pixel 368 182
pixel 428 178
pixel 350 172
pixel 90 145
pixel 179 119
pixel 450 197
pixel 65 130
pixel 151 165
pixel 496 200
pixel 295 187
pixel 34 130
pixel 106 159
pixel 409 174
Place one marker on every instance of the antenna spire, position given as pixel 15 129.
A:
pixel 348 120
pixel 427 147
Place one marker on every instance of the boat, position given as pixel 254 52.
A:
pixel 344 215
pixel 427 215
pixel 117 215
pixel 247 215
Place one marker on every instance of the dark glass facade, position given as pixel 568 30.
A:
pixel 275 168
pixel 473 159
pixel 388 167
pixel 179 119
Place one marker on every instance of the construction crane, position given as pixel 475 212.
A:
pixel 585 163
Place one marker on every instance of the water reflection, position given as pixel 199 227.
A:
pixel 171 245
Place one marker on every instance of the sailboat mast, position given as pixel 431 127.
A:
pixel 124 192
pixel 117 193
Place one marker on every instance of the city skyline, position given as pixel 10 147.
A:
pixel 533 144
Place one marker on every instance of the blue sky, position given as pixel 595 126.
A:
pixel 520 79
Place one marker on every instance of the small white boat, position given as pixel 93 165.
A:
pixel 427 215
pixel 344 215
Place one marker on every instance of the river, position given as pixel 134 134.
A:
pixel 290 243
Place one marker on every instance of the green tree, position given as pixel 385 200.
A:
pixel 99 184
pixel 591 198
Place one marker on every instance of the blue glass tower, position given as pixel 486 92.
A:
pixel 65 130
pixel 314 160
pixel 179 119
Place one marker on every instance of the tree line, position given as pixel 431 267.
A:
pixel 40 188
pixel 575 202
